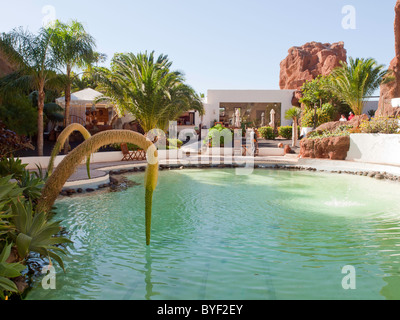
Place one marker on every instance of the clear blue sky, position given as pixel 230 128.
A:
pixel 219 44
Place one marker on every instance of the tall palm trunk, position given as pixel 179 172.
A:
pixel 294 133
pixel 40 120
pixel 67 117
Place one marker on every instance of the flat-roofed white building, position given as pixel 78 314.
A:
pixel 252 107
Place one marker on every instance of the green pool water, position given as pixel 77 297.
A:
pixel 217 235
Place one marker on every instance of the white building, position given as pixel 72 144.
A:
pixel 253 106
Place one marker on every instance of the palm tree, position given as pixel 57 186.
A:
pixel 294 114
pixel 73 47
pixel 32 54
pixel 148 89
pixel 356 81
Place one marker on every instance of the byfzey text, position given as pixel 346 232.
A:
pixel 206 309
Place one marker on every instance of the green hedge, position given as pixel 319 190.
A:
pixel 267 133
pixel 286 132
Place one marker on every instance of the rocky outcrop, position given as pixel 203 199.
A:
pixel 307 62
pixel 392 89
pixel 333 148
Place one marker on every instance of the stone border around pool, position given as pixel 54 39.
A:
pixel 117 180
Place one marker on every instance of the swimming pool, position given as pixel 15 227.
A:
pixel 216 235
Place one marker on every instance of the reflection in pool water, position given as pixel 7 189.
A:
pixel 216 235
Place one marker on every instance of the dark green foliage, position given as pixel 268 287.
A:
pixel 27 230
pixel 19 115
pixel 8 271
pixel 12 167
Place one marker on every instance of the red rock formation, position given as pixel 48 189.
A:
pixel 296 98
pixel 333 148
pixel 309 61
pixel 392 90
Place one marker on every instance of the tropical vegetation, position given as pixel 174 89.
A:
pixel 33 56
pixel 23 228
pixel 354 82
pixel 146 87
pixel 294 114
pixel 316 117
pixel 381 125
pixel 220 136
pixel 44 64
pixel 73 48
pixel 267 133
pixel 339 131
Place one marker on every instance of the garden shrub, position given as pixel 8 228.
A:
pixel 286 132
pixel 324 114
pixel 267 133
pixel 339 132
pixel 216 130
pixel 23 228
pixel 380 125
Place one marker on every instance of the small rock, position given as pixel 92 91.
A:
pixel 379 176
pixel 90 190
pixel 288 149
pixel 113 181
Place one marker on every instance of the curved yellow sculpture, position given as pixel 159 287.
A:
pixel 61 141
pixel 67 167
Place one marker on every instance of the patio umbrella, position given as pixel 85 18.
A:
pixel 237 119
pixel 272 123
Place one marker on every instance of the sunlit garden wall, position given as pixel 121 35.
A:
pixel 375 148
